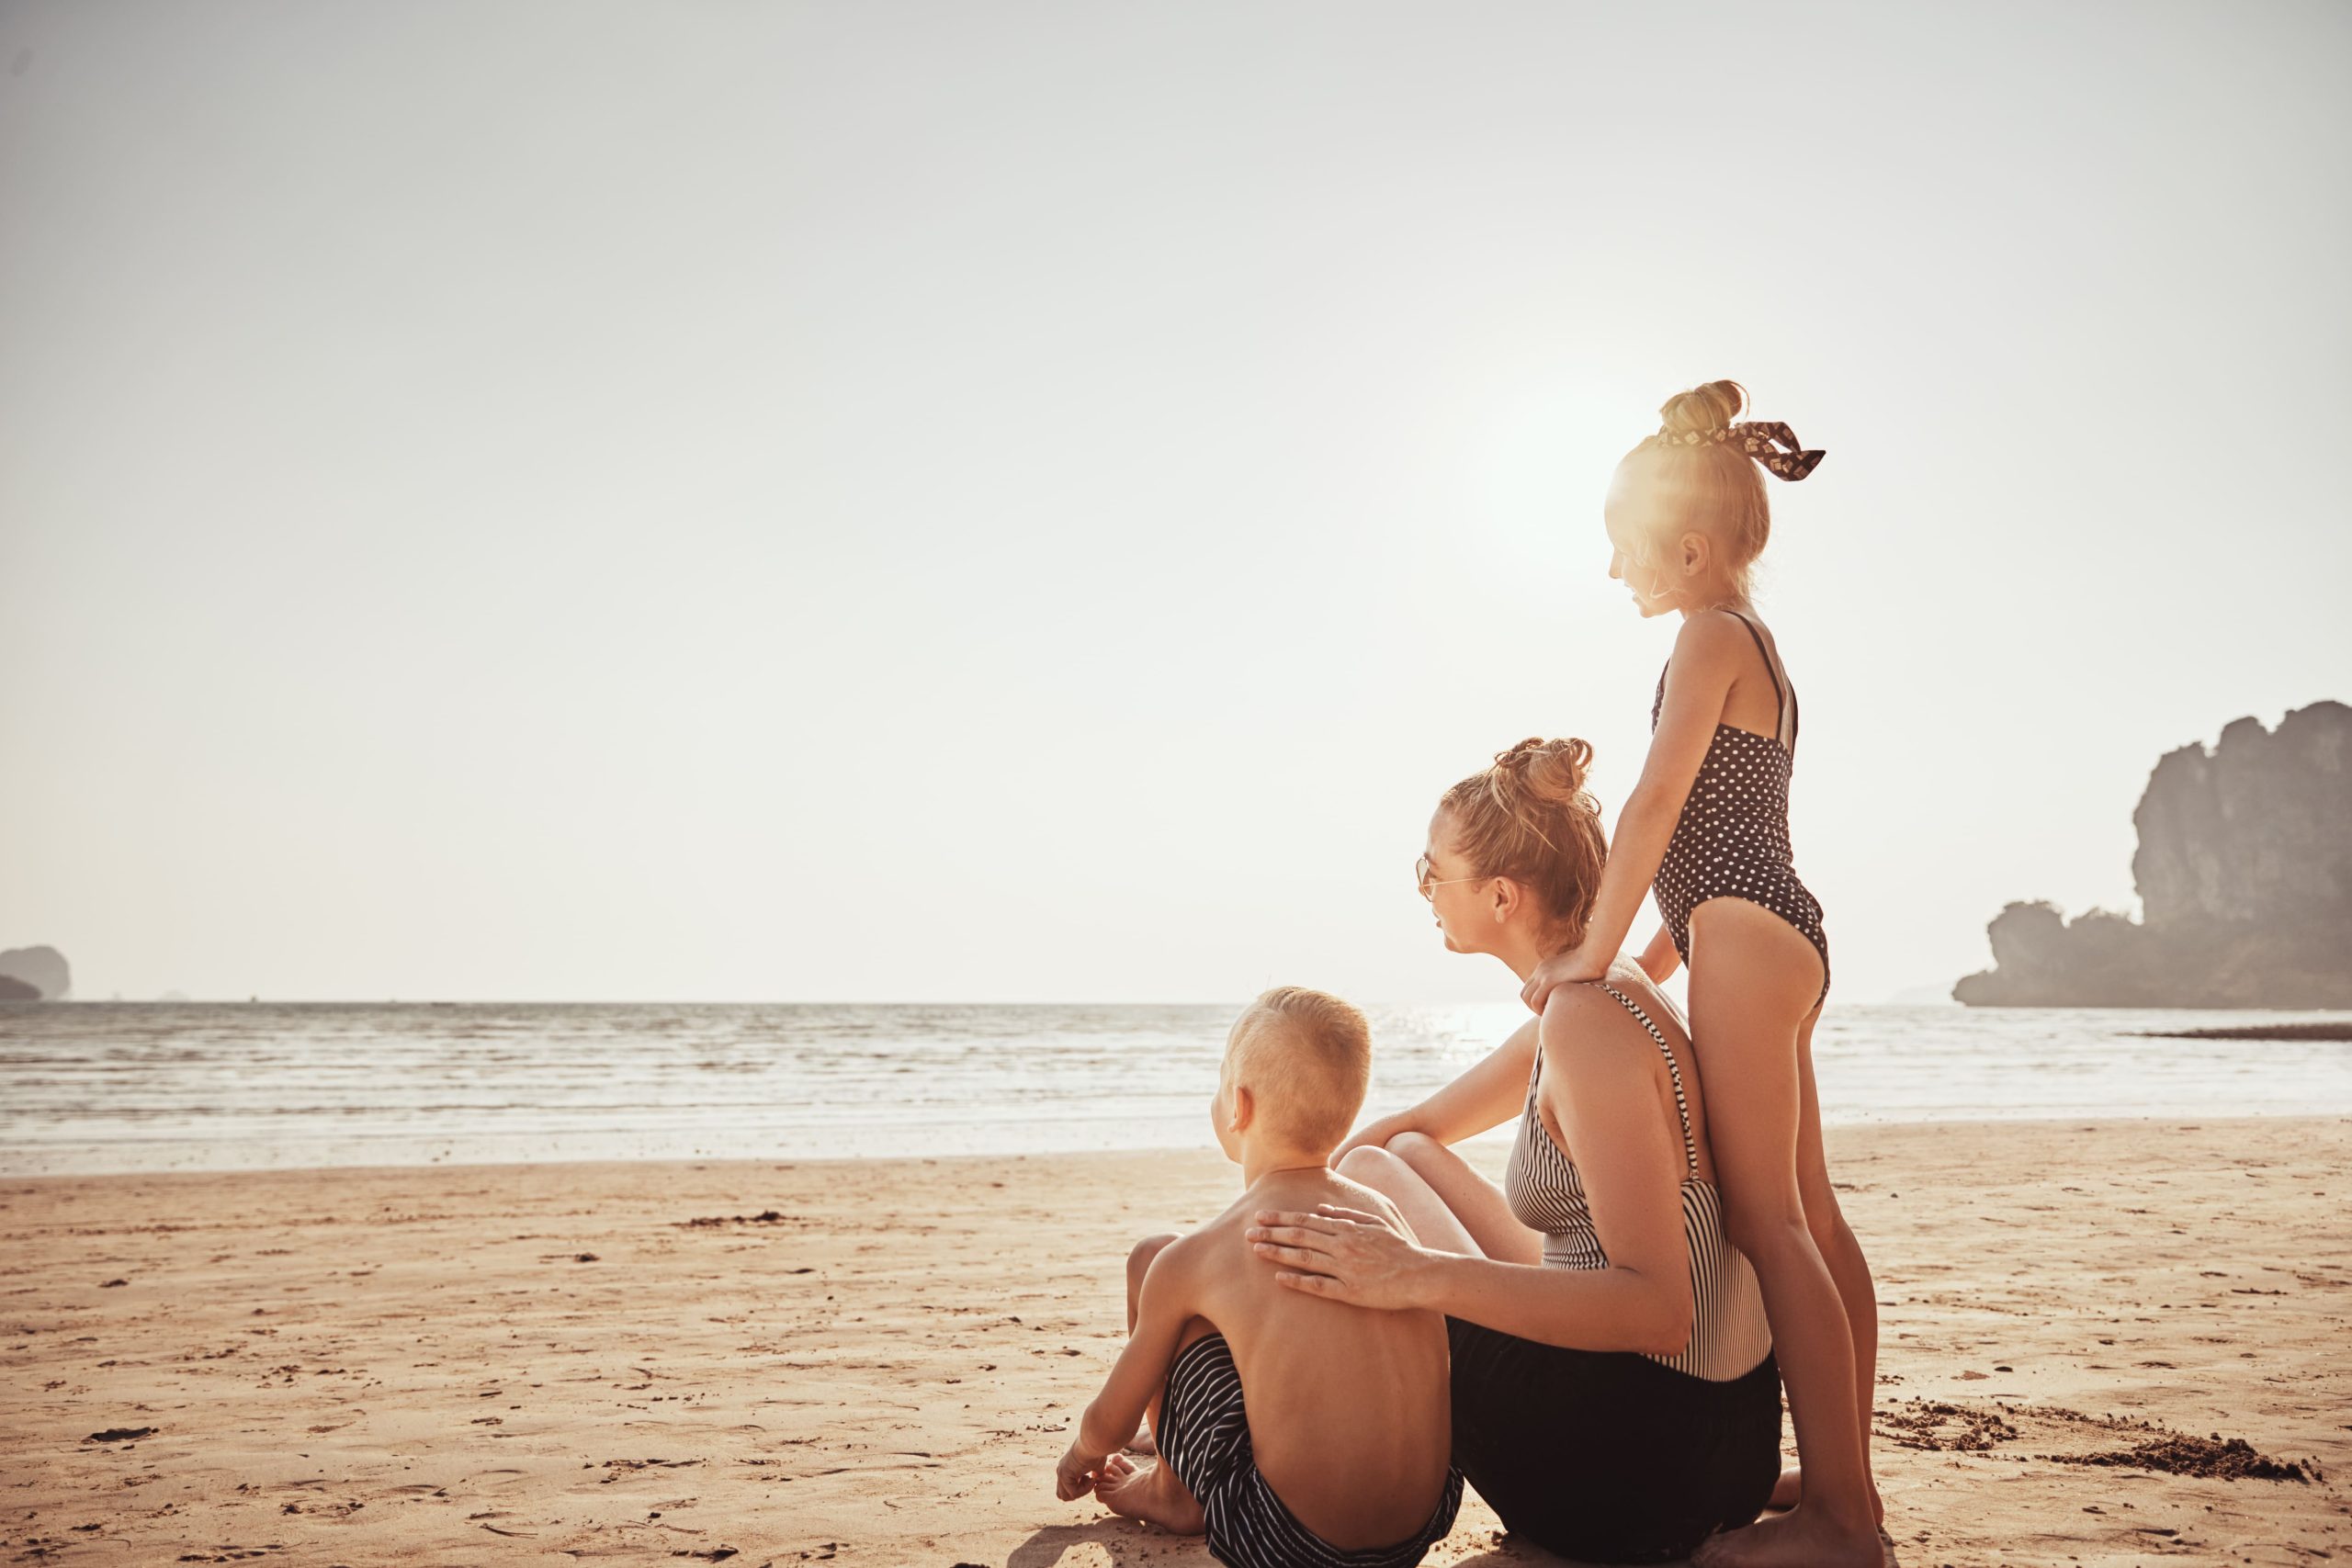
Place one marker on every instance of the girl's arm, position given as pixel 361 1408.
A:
pixel 1489 1093
pixel 1629 1156
pixel 1698 674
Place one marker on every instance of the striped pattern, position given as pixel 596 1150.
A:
pixel 1204 1436
pixel 1728 1335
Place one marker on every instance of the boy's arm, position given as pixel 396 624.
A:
pixel 1163 1309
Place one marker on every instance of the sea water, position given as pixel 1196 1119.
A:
pixel 89 1087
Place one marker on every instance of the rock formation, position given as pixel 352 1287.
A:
pixel 2245 875
pixel 42 968
pixel 15 990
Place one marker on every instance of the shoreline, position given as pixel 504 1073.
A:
pixel 876 1360
pixel 1495 1138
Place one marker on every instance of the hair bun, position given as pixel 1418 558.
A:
pixel 1704 409
pixel 1551 770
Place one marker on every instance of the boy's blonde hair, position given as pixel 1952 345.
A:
pixel 1307 1059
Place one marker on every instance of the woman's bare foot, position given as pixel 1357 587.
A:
pixel 1804 1538
pixel 1150 1493
pixel 1789 1491
pixel 1144 1444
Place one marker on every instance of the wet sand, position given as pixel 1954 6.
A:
pixel 2105 1343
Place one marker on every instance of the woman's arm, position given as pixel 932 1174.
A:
pixel 1489 1092
pixel 1698 680
pixel 1659 960
pixel 1629 1155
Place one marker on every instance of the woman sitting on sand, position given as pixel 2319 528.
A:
pixel 1614 1393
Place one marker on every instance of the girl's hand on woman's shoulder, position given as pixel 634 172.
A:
pixel 1343 1255
pixel 1575 968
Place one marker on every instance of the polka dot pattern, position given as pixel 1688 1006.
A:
pixel 1732 840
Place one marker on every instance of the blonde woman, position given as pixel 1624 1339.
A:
pixel 1614 1393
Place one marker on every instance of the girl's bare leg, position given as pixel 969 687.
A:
pixel 1753 983
pixel 1839 1250
pixel 1843 1253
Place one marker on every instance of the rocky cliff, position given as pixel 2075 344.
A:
pixel 2245 875
pixel 42 968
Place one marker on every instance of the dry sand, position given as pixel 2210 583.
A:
pixel 878 1363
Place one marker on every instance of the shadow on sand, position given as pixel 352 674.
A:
pixel 1131 1545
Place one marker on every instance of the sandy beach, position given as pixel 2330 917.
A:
pixel 877 1362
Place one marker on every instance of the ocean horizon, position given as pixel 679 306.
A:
pixel 90 1087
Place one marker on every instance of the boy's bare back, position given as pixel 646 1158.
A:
pixel 1349 1409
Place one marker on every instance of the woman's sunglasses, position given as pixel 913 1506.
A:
pixel 1425 880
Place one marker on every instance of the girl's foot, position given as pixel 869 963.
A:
pixel 1805 1538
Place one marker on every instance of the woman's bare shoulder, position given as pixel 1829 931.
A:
pixel 1585 1028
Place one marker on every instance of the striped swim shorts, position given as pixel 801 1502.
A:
pixel 1204 1436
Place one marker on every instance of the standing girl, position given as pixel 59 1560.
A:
pixel 1707 829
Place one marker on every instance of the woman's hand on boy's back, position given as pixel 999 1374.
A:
pixel 1343 1255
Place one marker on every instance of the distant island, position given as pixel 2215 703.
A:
pixel 2244 876
pixel 35 975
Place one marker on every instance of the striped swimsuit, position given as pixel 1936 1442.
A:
pixel 1728 1335
pixel 1732 839
pixel 1611 1456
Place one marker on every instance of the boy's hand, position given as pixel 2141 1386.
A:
pixel 1576 967
pixel 1076 1473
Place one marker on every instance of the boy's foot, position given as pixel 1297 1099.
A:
pixel 1150 1493
pixel 1805 1538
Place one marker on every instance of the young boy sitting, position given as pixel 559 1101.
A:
pixel 1343 1447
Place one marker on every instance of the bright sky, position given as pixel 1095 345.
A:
pixel 891 501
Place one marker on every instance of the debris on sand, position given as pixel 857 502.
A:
pixel 120 1435
pixel 2178 1454
pixel 764 1217
pixel 1938 1427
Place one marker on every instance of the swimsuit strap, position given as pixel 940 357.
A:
pixel 1785 702
pixel 1673 1070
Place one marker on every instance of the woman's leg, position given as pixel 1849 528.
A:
pixel 1754 981
pixel 1434 1226
pixel 1475 1201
